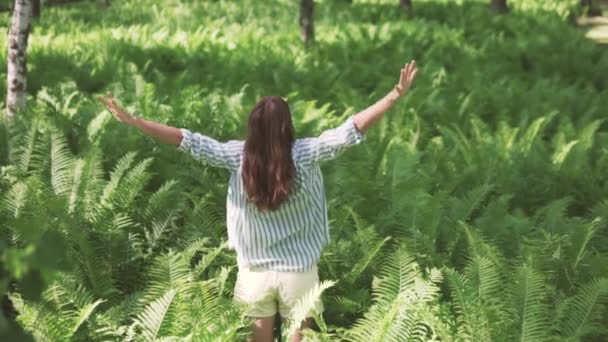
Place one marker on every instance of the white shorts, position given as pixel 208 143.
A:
pixel 265 292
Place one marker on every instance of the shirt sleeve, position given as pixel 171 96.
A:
pixel 330 144
pixel 210 151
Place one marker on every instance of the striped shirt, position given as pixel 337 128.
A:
pixel 290 238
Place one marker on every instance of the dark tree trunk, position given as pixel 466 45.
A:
pixel 104 3
pixel 499 6
pixel 591 8
pixel 307 26
pixel 36 8
pixel 406 4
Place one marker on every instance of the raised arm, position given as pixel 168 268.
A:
pixel 225 155
pixel 372 114
pixel 164 133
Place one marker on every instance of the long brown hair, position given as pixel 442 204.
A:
pixel 268 168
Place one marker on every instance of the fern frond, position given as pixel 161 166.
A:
pixel 472 323
pixel 157 231
pixel 306 304
pixel 93 264
pixel 208 258
pixel 87 184
pixel 485 277
pixel 161 202
pixel 529 136
pixel 531 311
pixel 61 164
pixel 131 185
pixel 26 146
pixel 477 246
pixel 15 199
pixel 153 317
pixel 462 208
pixel 96 126
pixel 582 315
pixel 169 271
pixel 75 194
pixel 580 242
pixel 32 318
pixel 121 167
pixel 400 295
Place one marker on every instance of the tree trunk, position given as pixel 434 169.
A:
pixel 499 6
pixel 406 4
pixel 307 28
pixel 36 8
pixel 104 3
pixel 17 62
pixel 591 9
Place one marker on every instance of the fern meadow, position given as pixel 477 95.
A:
pixel 475 211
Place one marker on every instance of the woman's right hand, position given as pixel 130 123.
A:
pixel 120 114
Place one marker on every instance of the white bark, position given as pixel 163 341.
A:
pixel 17 56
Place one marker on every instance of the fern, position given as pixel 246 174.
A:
pixel 473 325
pixel 160 202
pixel 64 311
pixel 530 308
pixel 153 317
pixel 86 187
pixel 120 169
pixel 208 258
pixel 131 185
pixel 61 164
pixel 484 275
pixel 26 149
pixel 529 136
pixel 169 271
pixel 582 314
pixel 15 199
pixel 305 305
pixel 462 209
pixel 400 296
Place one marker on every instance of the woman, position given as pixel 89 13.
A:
pixel 276 209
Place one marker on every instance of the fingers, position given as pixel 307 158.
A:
pixel 109 101
pixel 407 71
pixel 413 75
pixel 410 72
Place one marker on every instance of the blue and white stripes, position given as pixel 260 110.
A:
pixel 289 239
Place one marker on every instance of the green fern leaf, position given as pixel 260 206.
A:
pixel 153 317
pixel 582 315
pixel 531 311
pixel 306 304
pixel 61 164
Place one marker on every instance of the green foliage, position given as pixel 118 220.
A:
pixel 474 211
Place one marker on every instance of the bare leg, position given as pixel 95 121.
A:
pixel 297 337
pixel 262 330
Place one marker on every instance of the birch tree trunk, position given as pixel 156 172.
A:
pixel 17 48
pixel 307 28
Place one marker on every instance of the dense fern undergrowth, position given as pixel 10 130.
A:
pixel 475 211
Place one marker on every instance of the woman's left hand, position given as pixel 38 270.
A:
pixel 407 76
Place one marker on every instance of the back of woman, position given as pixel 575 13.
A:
pixel 276 209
